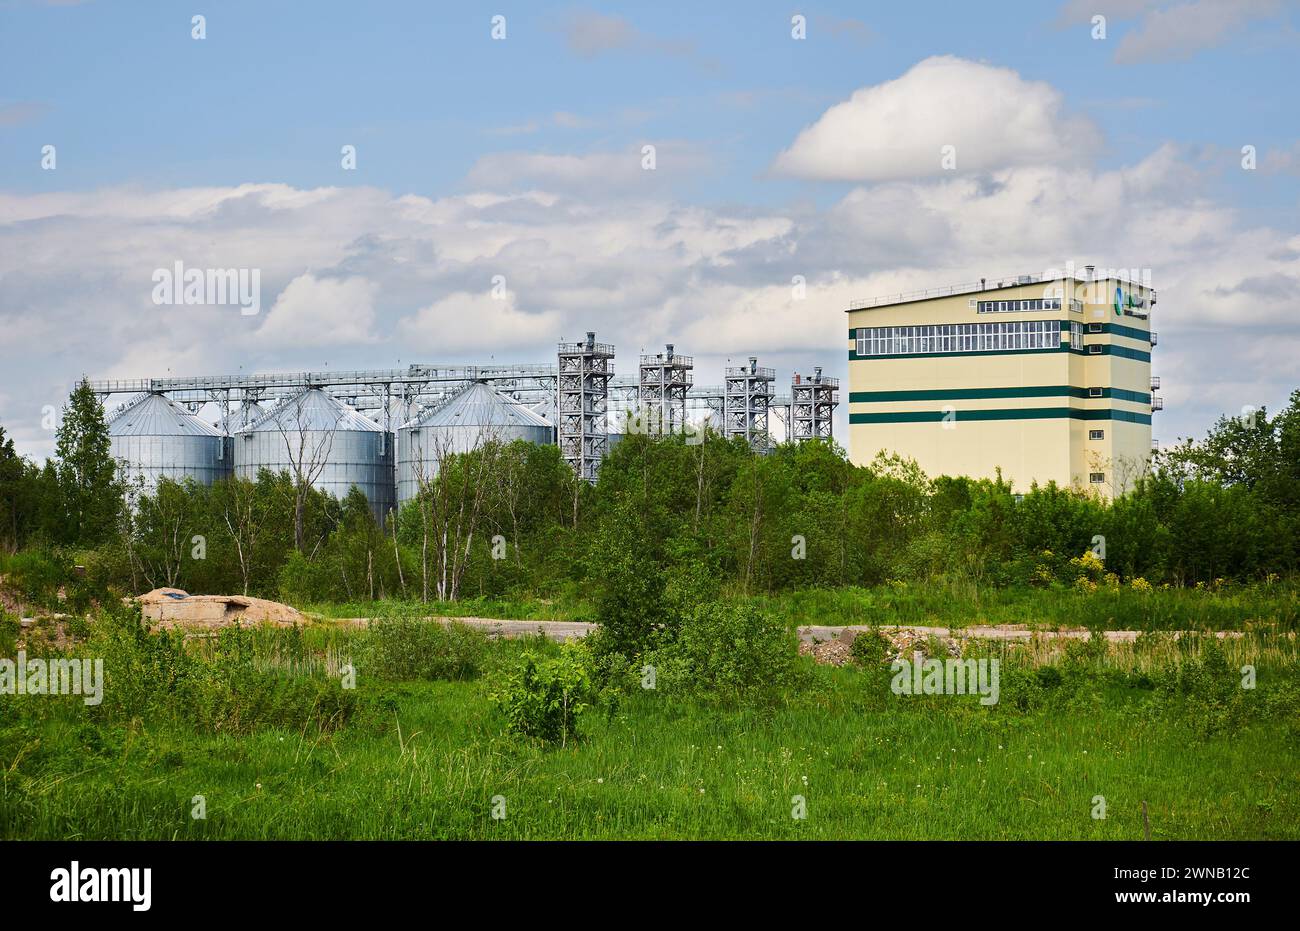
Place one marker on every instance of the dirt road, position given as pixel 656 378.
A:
pixel 571 630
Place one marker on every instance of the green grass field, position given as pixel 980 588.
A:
pixel 425 759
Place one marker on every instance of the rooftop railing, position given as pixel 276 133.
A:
pixel 663 359
pixel 574 348
pixel 803 381
pixel 973 287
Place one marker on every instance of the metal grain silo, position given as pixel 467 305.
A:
pixel 153 437
pixel 235 421
pixel 475 415
pixel 316 435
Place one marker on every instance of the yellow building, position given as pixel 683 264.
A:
pixel 1045 379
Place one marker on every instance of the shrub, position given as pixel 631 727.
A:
pixel 1204 692
pixel 307 581
pixel 147 675
pixel 630 603
pixel 404 648
pixel 870 648
pixel 545 697
pixel 730 651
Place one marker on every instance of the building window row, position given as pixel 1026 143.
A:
pixel 1036 303
pixel 961 337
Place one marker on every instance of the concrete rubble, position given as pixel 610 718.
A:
pixel 174 608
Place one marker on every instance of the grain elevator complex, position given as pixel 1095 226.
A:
pixel 1036 378
pixel 385 431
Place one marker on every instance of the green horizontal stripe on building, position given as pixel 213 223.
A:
pixel 1111 349
pixel 1025 413
pixel 1118 329
pixel 966 394
pixel 1125 352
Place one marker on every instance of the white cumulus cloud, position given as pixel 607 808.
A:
pixel 476 321
pixel 313 311
pixel 992 117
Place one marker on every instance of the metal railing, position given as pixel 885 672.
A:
pixel 665 359
pixel 972 287
pixel 741 371
pixel 576 348
pixel 804 381
pixel 415 374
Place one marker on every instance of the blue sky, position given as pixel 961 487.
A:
pixel 424 92
pixel 209 151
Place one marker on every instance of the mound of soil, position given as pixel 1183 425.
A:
pixel 902 644
pixel 827 652
pixel 172 607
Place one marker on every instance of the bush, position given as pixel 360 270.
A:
pixel 405 648
pixel 546 697
pixel 307 581
pixel 1205 692
pixel 870 648
pixel 147 675
pixel 730 651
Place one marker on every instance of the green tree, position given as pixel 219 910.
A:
pixel 14 499
pixel 91 498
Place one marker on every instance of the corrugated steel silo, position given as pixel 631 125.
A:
pixel 318 435
pixel 153 437
pixel 475 415
pixel 236 420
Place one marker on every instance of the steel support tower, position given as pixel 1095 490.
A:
pixel 813 399
pixel 748 392
pixel 665 379
pixel 582 402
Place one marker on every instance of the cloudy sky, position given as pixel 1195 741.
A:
pixel 522 157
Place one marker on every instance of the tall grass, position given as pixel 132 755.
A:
pixel 1160 721
pixel 957 604
pixel 520 608
pixel 868 765
pixel 942 603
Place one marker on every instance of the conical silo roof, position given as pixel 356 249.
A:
pixel 155 415
pixel 313 409
pixel 480 405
